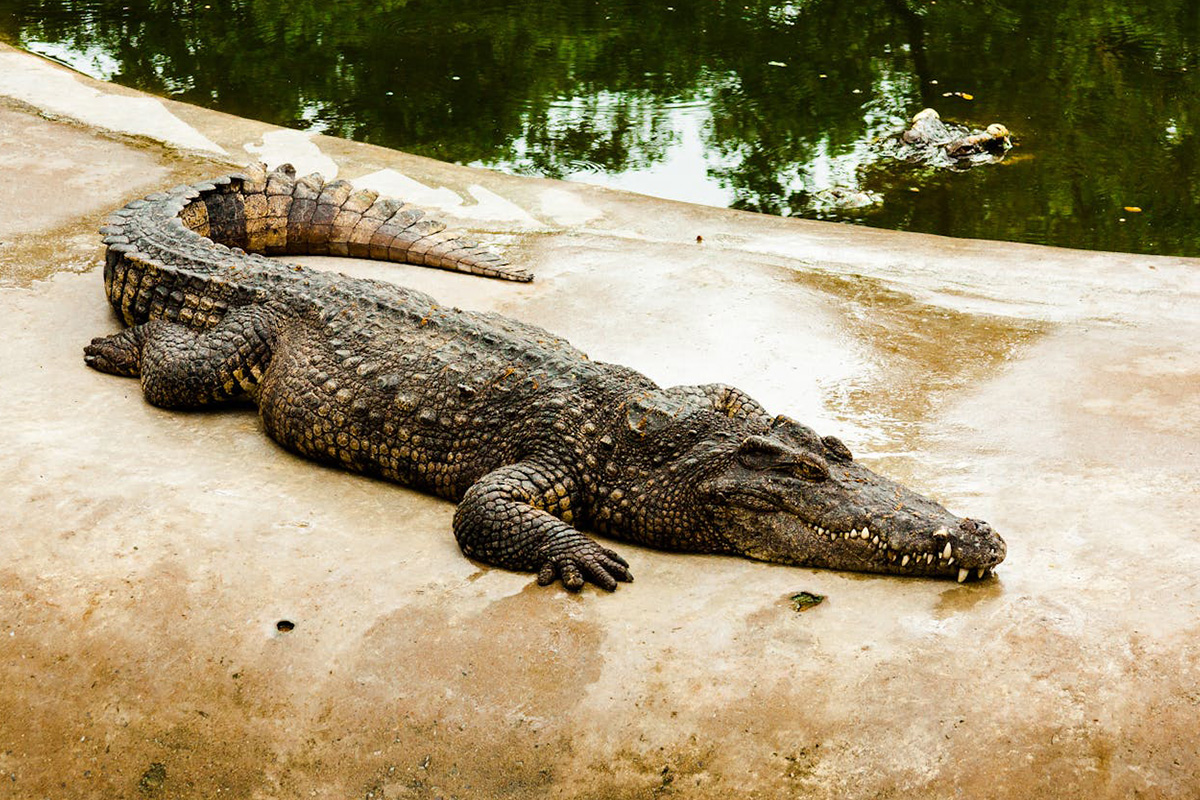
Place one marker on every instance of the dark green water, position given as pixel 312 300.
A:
pixel 748 104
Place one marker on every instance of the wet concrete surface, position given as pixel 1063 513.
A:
pixel 149 556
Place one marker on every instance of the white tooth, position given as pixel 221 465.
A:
pixel 866 531
pixel 950 563
pixel 904 561
pixel 946 551
pixel 941 532
pixel 980 572
pixel 929 558
pixel 962 574
pixel 874 539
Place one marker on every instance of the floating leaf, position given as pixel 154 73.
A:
pixel 803 601
pixel 966 96
pixel 777 63
pixel 1133 209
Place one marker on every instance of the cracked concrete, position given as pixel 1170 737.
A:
pixel 149 556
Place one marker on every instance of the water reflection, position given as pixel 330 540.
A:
pixel 776 107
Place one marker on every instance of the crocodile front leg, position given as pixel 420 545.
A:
pixel 503 520
pixel 183 368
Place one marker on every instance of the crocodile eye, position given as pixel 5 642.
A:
pixel 762 454
pixel 759 453
pixel 809 470
pixel 837 449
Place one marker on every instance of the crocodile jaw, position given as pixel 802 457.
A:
pixel 963 555
pixel 858 521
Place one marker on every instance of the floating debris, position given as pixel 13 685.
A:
pixel 803 601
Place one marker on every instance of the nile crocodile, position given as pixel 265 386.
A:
pixel 530 437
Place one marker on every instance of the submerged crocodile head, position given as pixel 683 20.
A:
pixel 940 144
pixel 794 497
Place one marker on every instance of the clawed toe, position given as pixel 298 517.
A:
pixel 603 568
pixel 116 355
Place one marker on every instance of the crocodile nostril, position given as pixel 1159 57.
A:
pixel 974 526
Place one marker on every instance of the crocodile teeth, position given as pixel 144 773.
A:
pixel 946 551
pixel 866 531
pixel 979 573
pixel 962 574
pixel 875 540
pixel 904 561
pixel 941 532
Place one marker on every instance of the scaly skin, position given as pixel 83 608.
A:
pixel 529 436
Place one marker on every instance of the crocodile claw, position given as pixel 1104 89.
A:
pixel 593 563
pixel 116 355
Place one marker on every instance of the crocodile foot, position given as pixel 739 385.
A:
pixel 584 561
pixel 118 354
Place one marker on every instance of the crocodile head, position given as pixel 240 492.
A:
pixel 791 496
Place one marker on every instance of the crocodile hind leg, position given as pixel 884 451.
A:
pixel 119 354
pixel 502 520
pixel 183 368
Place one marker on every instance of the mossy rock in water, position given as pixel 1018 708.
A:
pixel 803 601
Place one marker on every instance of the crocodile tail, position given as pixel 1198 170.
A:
pixel 277 213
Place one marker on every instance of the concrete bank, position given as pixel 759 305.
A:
pixel 147 557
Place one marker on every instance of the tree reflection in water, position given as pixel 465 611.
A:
pixel 755 105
